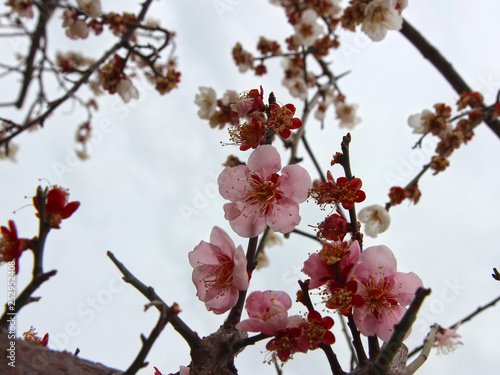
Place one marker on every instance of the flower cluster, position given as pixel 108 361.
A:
pixel 439 123
pixel 113 80
pixel 364 284
pixel 342 191
pixel 268 314
pixel 79 24
pixel 261 120
pixel 55 208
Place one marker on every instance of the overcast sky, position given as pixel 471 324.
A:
pixel 155 159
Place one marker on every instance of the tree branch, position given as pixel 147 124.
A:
pixel 443 66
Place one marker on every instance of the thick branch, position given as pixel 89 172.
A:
pixel 36 359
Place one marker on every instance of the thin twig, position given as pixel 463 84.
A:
pixel 189 335
pixel 165 315
pixel 464 320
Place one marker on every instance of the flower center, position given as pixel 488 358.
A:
pixel 220 277
pixel 264 193
pixel 378 296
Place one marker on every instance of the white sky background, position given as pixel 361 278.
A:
pixel 158 157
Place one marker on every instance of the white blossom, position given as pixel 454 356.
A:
pixel 307 30
pixel 207 101
pixel 297 87
pixel 381 15
pixel 91 8
pixel 347 114
pixel 127 90
pixel 420 121
pixel 375 218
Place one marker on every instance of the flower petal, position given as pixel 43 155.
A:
pixel 265 160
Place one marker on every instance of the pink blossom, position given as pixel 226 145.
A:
pixel 385 291
pixel 268 313
pixel 447 340
pixel 220 271
pixel 249 102
pixel 260 196
pixel 320 267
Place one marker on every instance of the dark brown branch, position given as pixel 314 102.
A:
pixel 443 66
pixel 25 297
pixel 45 13
pixel 356 341
pixel 43 231
pixel 390 349
pixel 189 335
pixel 346 164
pixel 165 315
pixel 84 78
pixel 39 277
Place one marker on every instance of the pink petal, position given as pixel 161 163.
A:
pixel 294 321
pixel 378 261
pixel 265 160
pixel 274 324
pixel 240 274
pixel 295 183
pixel 220 238
pixel 247 223
pixel 317 269
pixel 223 303
pixel 233 183
pixel 280 296
pixel 231 211
pixel 250 325
pixel 204 253
pixel 388 321
pixel 366 323
pixel 284 216
pixel 410 282
pixel 199 275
